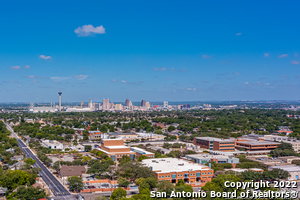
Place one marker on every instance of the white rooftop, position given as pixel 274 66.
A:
pixel 117 147
pixel 236 170
pixel 288 168
pixel 167 165
pixel 141 150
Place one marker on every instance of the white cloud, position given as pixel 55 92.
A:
pixel 27 67
pixel 247 83
pixel 86 30
pixel 160 69
pixel 15 67
pixel 238 34
pixel 132 83
pixel 113 80
pixel 206 56
pixel 81 77
pixel 267 84
pixel 30 76
pixel 56 78
pixel 283 55
pixel 45 57
pixel 191 89
pixel 295 62
pixel 266 54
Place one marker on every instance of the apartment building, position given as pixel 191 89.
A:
pixel 174 169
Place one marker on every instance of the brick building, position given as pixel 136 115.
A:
pixel 255 145
pixel 174 169
pixel 215 144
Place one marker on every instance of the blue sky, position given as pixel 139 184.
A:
pixel 153 50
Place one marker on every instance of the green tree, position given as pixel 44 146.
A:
pixel 142 157
pixel 75 143
pixel 118 194
pixel 124 160
pixel 75 183
pixel 165 186
pixel 28 193
pixel 100 197
pixel 30 161
pixel 171 128
pixel 87 148
pixel 123 182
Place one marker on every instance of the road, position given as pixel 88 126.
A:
pixel 54 185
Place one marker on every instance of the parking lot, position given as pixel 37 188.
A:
pixel 55 158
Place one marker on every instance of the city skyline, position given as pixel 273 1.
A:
pixel 197 51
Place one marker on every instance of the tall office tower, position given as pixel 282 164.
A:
pixel 166 104
pixel 143 103
pixel 59 93
pixel 81 104
pixel 105 105
pixel 90 103
pixel 127 102
pixel 148 105
pixel 130 103
pixel 94 106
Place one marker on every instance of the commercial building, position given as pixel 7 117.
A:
pixel 127 102
pixel 106 105
pixel 143 103
pixel 151 136
pixel 294 142
pixel 249 144
pixel 126 137
pixel 215 144
pixel 95 135
pixel 293 170
pixel 115 149
pixel 204 158
pixel 173 169
pixel 42 109
pixel 255 145
pixel 67 171
pixel 52 144
pixel 141 152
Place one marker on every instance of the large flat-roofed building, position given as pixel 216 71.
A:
pixel 141 152
pixel 293 170
pixel 215 144
pixel 52 144
pixel 174 169
pixel 126 137
pixel 255 145
pixel 294 142
pixel 151 136
pixel 205 158
pixel 115 149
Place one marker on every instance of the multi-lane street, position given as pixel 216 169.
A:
pixel 54 185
